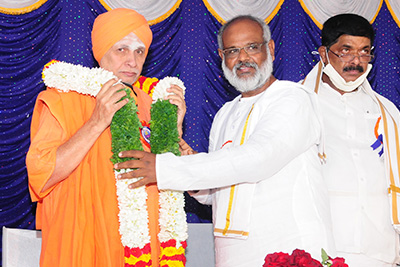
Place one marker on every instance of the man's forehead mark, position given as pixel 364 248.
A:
pixel 132 42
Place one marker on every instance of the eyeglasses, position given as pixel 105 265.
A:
pixel 350 57
pixel 250 49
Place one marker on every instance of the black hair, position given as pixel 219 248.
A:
pixel 350 24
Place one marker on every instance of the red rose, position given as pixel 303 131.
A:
pixel 301 258
pixel 277 259
pixel 338 262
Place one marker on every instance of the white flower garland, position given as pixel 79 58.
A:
pixel 67 77
pixel 172 215
pixel 133 216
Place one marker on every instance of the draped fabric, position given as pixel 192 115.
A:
pixel 184 45
pixel 321 10
pixel 225 10
pixel 17 7
pixel 394 7
pixel 154 10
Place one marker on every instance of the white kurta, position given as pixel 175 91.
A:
pixel 355 174
pixel 280 201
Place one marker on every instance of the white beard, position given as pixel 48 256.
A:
pixel 260 77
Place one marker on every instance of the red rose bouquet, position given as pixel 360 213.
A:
pixel 300 258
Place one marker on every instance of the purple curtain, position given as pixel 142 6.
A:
pixel 184 45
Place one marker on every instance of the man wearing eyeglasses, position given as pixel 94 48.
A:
pixel 360 144
pixel 262 174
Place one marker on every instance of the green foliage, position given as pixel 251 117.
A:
pixel 325 258
pixel 125 129
pixel 164 133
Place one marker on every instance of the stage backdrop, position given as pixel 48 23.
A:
pixel 185 45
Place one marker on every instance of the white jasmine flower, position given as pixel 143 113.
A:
pixel 160 90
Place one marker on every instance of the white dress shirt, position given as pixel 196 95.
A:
pixel 355 174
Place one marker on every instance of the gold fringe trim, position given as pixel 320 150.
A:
pixel 23 10
pixel 105 5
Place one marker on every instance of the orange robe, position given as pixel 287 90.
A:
pixel 79 216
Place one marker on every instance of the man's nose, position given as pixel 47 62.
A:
pixel 356 60
pixel 131 59
pixel 243 55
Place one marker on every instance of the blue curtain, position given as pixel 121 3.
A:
pixel 185 45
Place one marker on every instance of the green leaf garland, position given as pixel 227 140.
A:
pixel 164 133
pixel 125 129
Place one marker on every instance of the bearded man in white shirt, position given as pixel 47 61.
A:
pixel 262 174
pixel 360 144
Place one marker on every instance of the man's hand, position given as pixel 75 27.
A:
pixel 144 165
pixel 178 99
pixel 107 103
pixel 185 149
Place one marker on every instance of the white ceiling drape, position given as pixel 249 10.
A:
pixel 321 10
pixel 224 10
pixel 17 3
pixel 16 7
pixel 394 8
pixel 153 10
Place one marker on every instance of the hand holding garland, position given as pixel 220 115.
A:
pixel 185 148
pixel 166 137
pixel 71 153
pixel 144 165
pixel 177 98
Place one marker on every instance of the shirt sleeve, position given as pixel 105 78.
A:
pixel 41 157
pixel 287 128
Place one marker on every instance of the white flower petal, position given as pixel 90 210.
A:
pixel 160 90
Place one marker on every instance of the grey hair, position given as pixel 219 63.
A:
pixel 263 25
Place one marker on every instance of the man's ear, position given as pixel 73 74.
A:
pixel 271 47
pixel 221 54
pixel 322 50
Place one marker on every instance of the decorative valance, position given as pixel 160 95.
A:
pixel 225 10
pixel 17 7
pixel 394 8
pixel 320 10
pixel 154 11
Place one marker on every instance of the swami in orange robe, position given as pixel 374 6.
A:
pixel 79 215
